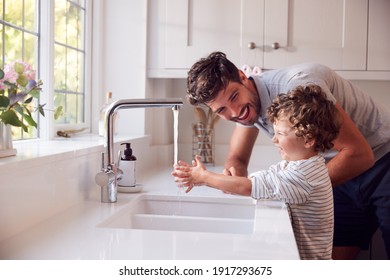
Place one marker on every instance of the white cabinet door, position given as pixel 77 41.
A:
pixel 195 28
pixel 379 35
pixel 331 32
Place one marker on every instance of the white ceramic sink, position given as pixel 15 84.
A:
pixel 186 213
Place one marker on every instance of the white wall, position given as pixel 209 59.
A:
pixel 120 58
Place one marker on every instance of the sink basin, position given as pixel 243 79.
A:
pixel 187 213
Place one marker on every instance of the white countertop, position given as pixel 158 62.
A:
pixel 76 234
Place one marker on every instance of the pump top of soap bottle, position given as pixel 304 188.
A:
pixel 128 152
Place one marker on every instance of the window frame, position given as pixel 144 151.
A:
pixel 48 127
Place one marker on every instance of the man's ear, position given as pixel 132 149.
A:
pixel 242 75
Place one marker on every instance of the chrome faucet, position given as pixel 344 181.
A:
pixel 110 174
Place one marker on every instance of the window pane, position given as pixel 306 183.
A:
pixel 29 15
pixel 30 49
pixel 59 68
pixel 60 21
pixel 1 10
pixel 75 28
pixel 74 71
pixel 69 60
pixel 14 12
pixel 13 44
pixel 21 42
pixel 73 105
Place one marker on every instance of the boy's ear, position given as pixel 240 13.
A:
pixel 309 143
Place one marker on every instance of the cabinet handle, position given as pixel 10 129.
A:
pixel 275 45
pixel 251 45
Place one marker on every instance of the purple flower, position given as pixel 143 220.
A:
pixel 31 84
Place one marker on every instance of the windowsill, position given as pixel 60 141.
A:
pixel 38 152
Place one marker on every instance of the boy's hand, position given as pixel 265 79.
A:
pixel 187 175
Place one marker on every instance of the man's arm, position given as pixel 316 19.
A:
pixel 241 146
pixel 354 153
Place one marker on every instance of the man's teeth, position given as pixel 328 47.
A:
pixel 244 114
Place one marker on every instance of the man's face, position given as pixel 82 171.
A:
pixel 238 102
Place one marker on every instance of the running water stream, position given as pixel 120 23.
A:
pixel 180 191
pixel 175 135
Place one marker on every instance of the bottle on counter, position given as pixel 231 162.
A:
pixel 128 166
pixel 102 113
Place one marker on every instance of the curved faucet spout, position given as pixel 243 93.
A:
pixel 129 104
pixel 108 183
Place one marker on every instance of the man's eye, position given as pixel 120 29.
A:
pixel 220 111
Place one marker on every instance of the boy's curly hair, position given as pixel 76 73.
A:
pixel 208 76
pixel 311 115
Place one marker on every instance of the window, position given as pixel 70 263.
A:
pixel 19 27
pixel 51 36
pixel 69 58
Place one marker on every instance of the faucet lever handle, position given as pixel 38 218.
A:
pixel 103 167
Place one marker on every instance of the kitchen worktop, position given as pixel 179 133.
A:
pixel 76 233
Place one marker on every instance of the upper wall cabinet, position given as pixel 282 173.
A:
pixel 379 35
pixel 332 32
pixel 183 31
pixel 346 35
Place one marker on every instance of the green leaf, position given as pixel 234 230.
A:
pixel 1 74
pixel 28 100
pixel 35 93
pixel 22 80
pixel 41 110
pixel 58 112
pixel 10 117
pixel 30 120
pixel 19 68
pixel 18 108
pixel 25 111
pixel 4 101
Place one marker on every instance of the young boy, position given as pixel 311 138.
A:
pixel 305 123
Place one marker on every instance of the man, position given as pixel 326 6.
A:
pixel 359 166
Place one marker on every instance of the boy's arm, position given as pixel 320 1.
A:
pixel 231 184
pixel 195 175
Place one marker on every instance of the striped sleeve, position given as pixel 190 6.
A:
pixel 286 181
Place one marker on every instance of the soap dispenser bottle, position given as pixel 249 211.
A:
pixel 127 164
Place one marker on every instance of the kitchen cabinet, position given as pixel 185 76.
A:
pixel 332 32
pixel 378 35
pixel 346 35
pixel 182 31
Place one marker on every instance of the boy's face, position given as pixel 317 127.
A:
pixel 238 102
pixel 291 147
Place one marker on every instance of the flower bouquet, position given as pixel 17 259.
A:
pixel 18 89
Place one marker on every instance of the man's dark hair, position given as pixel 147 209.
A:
pixel 208 76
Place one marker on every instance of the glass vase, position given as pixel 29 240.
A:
pixel 6 145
